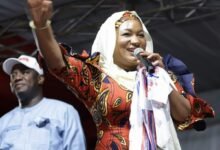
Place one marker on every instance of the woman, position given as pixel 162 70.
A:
pixel 105 82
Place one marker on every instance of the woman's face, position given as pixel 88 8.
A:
pixel 129 36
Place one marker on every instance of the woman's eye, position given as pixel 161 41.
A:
pixel 141 35
pixel 126 34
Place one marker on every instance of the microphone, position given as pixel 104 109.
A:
pixel 150 68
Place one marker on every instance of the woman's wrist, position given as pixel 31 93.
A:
pixel 33 26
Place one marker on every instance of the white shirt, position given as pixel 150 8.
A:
pixel 49 125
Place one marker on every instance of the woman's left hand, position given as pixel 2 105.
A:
pixel 154 58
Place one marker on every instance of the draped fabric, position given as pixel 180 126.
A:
pixel 149 141
pixel 151 123
pixel 184 82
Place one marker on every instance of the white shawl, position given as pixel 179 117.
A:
pixel 156 98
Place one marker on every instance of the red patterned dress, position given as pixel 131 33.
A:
pixel 107 101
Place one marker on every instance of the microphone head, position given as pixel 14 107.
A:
pixel 137 51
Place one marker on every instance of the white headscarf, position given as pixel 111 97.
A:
pixel 105 43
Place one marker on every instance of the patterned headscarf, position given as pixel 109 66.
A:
pixel 105 43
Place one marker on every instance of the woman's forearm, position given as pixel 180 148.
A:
pixel 50 48
pixel 180 107
pixel 41 12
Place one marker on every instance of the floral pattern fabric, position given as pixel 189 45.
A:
pixel 107 101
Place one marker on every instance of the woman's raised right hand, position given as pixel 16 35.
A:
pixel 41 11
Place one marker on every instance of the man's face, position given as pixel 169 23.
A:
pixel 23 80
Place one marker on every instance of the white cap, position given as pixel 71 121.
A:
pixel 28 61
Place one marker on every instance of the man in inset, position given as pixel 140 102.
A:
pixel 38 123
